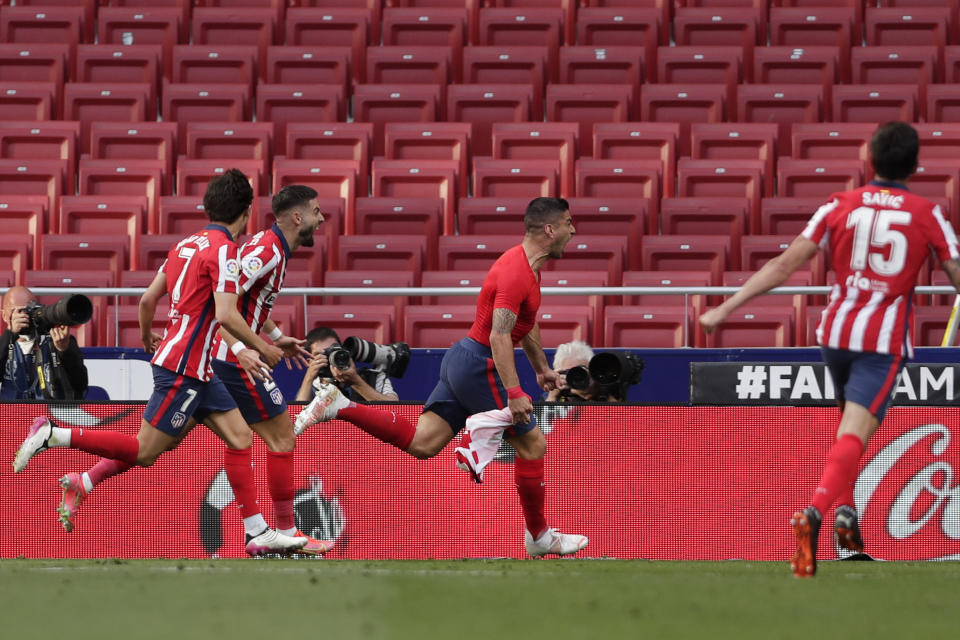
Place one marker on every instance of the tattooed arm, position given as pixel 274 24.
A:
pixel 501 345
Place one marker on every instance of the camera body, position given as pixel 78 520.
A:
pixel 336 356
pixel 69 310
pixel 394 357
pixel 612 373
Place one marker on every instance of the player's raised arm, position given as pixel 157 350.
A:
pixel 147 309
pixel 501 347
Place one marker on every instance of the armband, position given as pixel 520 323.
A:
pixel 516 392
pixel 276 334
pixel 237 347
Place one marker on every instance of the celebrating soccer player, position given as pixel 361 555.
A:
pixel 201 277
pixel 479 373
pixel 879 237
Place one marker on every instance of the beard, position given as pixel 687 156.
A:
pixel 306 237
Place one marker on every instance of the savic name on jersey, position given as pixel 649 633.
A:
pixel 196 267
pixel 879 237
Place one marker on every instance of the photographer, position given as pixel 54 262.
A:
pixel 589 377
pixel 37 366
pixel 569 355
pixel 368 384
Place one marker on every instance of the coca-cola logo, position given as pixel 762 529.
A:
pixel 908 497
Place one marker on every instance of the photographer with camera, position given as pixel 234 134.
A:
pixel 39 360
pixel 569 356
pixel 589 377
pixel 333 363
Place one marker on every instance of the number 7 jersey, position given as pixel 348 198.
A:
pixel 879 238
pixel 196 267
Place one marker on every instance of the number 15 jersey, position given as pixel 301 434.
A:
pixel 879 238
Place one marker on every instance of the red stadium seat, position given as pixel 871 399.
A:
pixel 515 178
pixel 282 104
pixel 640 141
pixel 943 103
pixel 193 174
pixel 755 327
pixel 330 231
pixel 411 64
pixel 938 140
pixel 539 141
pixel 818 178
pixel 103 215
pixel 230 140
pixel 828 141
pixel 744 141
pixel 622 179
pixel 484 105
pixel 951 64
pixel 307 66
pixel 143 25
pixel 606 254
pixel 797 302
pixel 123 325
pixel 535 26
pixel 309 266
pixel 654 327
pixel 929 325
pixel 34 177
pixel 153 251
pixel 940 279
pixel 899 26
pixel 624 26
pixel 473 253
pixel 787 216
pixel 92 101
pixel 88 334
pixel 87 20
pixel 109 64
pixel 588 104
pixel 792 65
pixel 758 250
pixel 370 279
pixel 331 179
pixel 496 216
pixel 387 253
pixel 723 178
pixel 938 179
pixel 416 141
pixel 227 26
pixel 331 26
pixel 374 322
pixel 895 65
pixel 569 8
pixel 380 104
pixel 180 214
pixel 29 101
pixel 622 216
pixel 815 26
pixel 562 323
pixel 875 103
pixel 703 65
pixel 685 104
pixel 784 104
pixel 50 24
pixel 185 103
pixel 42 140
pixel 419 179
pixel 400 216
pixel 106 253
pixel 526 65
pixel 720 26
pixel 452 279
pixel 333 141
pixel 433 26
pixel 33 63
pixel 609 65
pixel 594 303
pixel 16 256
pixel 437 327
pixel 123 178
pixel 203 64
pixel 708 254
pixel 373 6
pixel 666 279
pixel 24 215
pixel 727 216
pixel 136 141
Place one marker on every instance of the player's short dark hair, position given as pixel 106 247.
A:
pixel 227 196
pixel 543 211
pixel 320 333
pixel 894 148
pixel 292 196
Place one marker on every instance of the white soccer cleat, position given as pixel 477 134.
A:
pixel 38 439
pixel 552 542
pixel 272 541
pixel 324 406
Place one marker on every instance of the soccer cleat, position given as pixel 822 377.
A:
pixel 73 495
pixel 271 541
pixel 314 547
pixel 847 529
pixel 467 459
pixel 37 440
pixel 552 542
pixel 322 408
pixel 806 528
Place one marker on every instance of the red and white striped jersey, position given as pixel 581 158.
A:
pixel 879 237
pixel 263 265
pixel 196 267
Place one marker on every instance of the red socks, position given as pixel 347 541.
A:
pixel 106 468
pixel 839 471
pixel 282 488
pixel 106 444
pixel 240 474
pixel 386 426
pixel 528 475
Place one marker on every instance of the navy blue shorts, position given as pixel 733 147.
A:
pixel 177 398
pixel 258 401
pixel 866 378
pixel 469 384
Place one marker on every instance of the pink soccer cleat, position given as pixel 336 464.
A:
pixel 73 495
pixel 313 547
pixel 37 440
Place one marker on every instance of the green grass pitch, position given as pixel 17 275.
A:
pixel 220 599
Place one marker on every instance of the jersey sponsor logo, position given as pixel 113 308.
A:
pixel 277 397
pixel 232 268
pixel 857 280
pixel 270 300
pixel 178 419
pixel 251 265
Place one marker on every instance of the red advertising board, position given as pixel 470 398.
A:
pixel 677 483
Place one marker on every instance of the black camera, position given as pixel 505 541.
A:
pixel 612 372
pixel 69 310
pixel 394 357
pixel 336 356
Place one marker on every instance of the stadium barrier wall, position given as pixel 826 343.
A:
pixel 657 482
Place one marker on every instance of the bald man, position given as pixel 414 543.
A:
pixel 44 367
